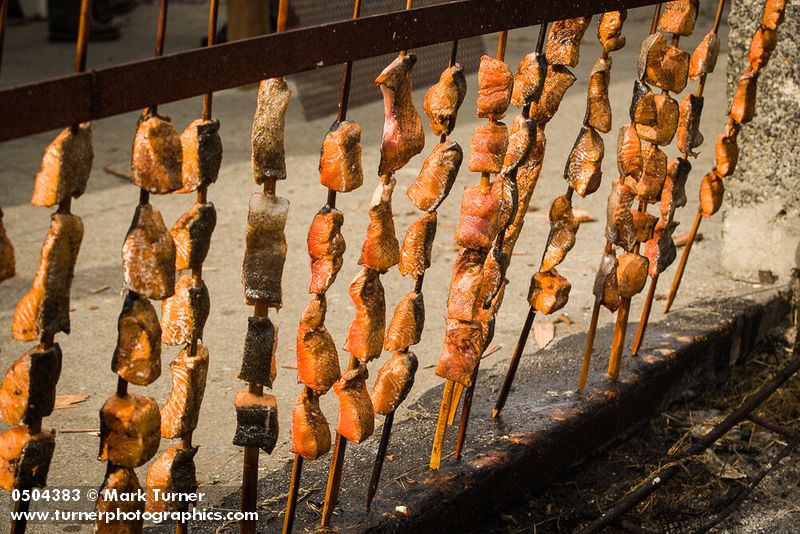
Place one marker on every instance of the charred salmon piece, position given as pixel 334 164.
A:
pixel 643 224
pixel 444 98
pixel 201 149
pixel 494 271
pixel 266 137
pixel 259 364
pixel 598 106
pixel 184 314
pixel 549 291
pixel 366 332
pixel 504 187
pixel 667 115
pixel 520 142
pixel 563 229
pixel 394 382
pixel 8 261
pixel 605 282
pixel 192 235
pixel 712 191
pixel 673 195
pixel 463 301
pixel 356 417
pixel 663 65
pixel 643 105
pixel 173 472
pixel 403 136
pixel 340 158
pixel 122 483
pixel 137 356
pixel 527 178
pixel 480 221
pixel 66 166
pixel 529 79
pixel 743 105
pixel 679 17
pixel 256 421
pixel 148 255
pixel 265 250
pixel 761 47
pixel 631 274
pixel 704 58
pixel 405 328
pixel 28 390
pixel 317 358
pixel 415 255
pixel 438 174
pixel 326 246
pixel 157 156
pixel 564 41
pixel 381 250
pixel 726 151
pixel 558 80
pixel 311 435
pixel 629 152
pixel 584 170
pixel 773 14
pixel 609 30
pixel 689 136
pixel 488 147
pixel 130 430
pixel 648 187
pixel 495 82
pixel 25 458
pixel 619 218
pixel 660 250
pixel 181 411
pixel 44 310
pixel 461 350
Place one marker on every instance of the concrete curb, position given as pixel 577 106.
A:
pixel 544 429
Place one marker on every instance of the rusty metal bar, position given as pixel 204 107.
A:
pixel 56 103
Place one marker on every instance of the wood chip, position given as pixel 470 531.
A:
pixel 583 216
pixel 491 350
pixel 110 169
pixel 544 333
pixel 681 239
pixel 93 431
pixel 99 289
pixel 564 318
pixel 70 401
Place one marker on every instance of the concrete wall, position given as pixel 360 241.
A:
pixel 761 213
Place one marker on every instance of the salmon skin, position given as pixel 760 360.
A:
pixel 629 153
pixel 605 282
pixel 181 411
pixel 495 83
pixel 563 229
pixel 660 250
pixel 488 147
pixel 394 382
pixel 311 435
pixel 443 100
pixel 25 458
pixel 340 157
pixel 366 333
pixel 689 136
pixel 415 255
pixel 436 179
pixel 679 17
pixel 122 483
pixel 192 235
pixel 609 30
pixel 28 390
pixel 643 225
pixel 461 350
pixel 256 421
pixel 317 358
pixel 529 79
pixel 549 291
pixel 259 364
pixel 403 137
pixel 743 104
pixel 704 58
pixel 463 301
pixel 326 247
pixel 356 416
pixel 44 310
pixel 712 191
pixel 643 110
pixel 494 272
pixel 148 255
pixel 520 143
pixel 558 80
pixel 381 250
pixel 173 472
pixel 265 250
pixel 564 41
pixel 527 175
pixel 667 116
pixel 619 217
pixel 130 430
pixel 405 328
pixel 157 156
pixel 598 105
pixel 584 170
pixel 266 137
pixel 480 221
pixel 673 195
pixel 631 274
pixel 8 261
pixel 184 314
pixel 201 149
pixel 137 356
pixel 66 166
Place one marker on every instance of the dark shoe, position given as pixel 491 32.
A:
pixel 97 32
pixel 104 11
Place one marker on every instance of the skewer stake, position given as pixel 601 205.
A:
pixel 515 359
pixel 676 282
pixel 441 425
pixel 3 17
pixel 379 458
pixel 465 410
pixel 458 389
pixel 294 487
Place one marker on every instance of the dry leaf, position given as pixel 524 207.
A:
pixel 118 173
pixel 544 333
pixel 94 431
pixel 681 239
pixel 583 216
pixel 564 318
pixel 491 350
pixel 70 401
pixel 98 289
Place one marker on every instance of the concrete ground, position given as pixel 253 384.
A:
pixel 108 205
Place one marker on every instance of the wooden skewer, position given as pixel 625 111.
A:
pixel 441 425
pixel 458 389
pixel 294 489
pixel 676 282
pixel 3 17
pixel 465 410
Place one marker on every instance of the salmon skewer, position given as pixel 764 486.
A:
pixel 8 262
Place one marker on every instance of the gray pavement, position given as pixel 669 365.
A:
pixel 108 206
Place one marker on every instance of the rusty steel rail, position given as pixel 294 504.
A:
pixel 45 105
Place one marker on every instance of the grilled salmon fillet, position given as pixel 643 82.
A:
pixel 25 458
pixel 438 174
pixel 148 255
pixel 643 110
pixel 660 250
pixel 340 157
pixel 394 382
pixel 122 483
pixel 605 282
pixel 529 79
pixel 28 390
pixel 631 274
pixel 326 246
pixel 520 143
pixel 463 301
pixel 704 58
pixel 267 135
pixel 137 356
pixel 549 291
pixel 726 151
pixel 743 104
pixel 527 177
pixel 130 430
pixel 563 229
pixel 667 115
pixel 311 435
pixel 191 234
pixel 461 350
pixel 609 30
pixel 356 417
pixel 712 191
pixel 259 356
pixel 8 261
pixel 366 332
pixel 488 147
pixel 584 170
pixel 317 358
pixel 773 14
pixel 381 250
pixel 256 421
pixel 558 80
pixel 648 187
pixel 689 136
pixel 495 82
pixel 564 42
pixel 673 195
pixel 629 152
pixel 619 218
pixel 679 17
pixel 157 156
pixel 405 328
pixel 643 224
pixel 480 221
pixel 66 166
pixel 172 472
pixel 443 100
pixel 415 254
pixel 201 149
pixel 184 314
pixel 265 250
pixel 181 411
pixel 598 105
